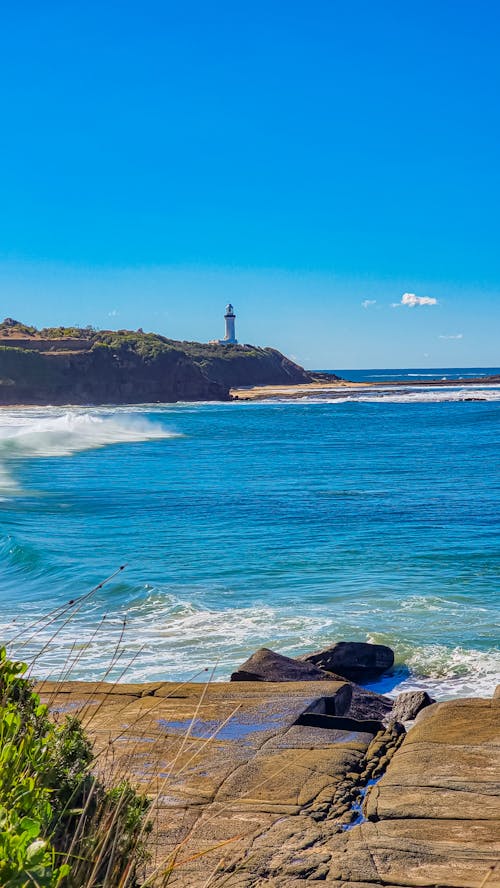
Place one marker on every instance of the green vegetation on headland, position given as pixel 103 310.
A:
pixel 60 826
pixel 63 365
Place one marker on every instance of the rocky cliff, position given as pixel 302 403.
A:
pixel 85 366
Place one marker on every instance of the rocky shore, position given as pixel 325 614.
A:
pixel 292 772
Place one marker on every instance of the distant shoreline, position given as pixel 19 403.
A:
pixel 337 388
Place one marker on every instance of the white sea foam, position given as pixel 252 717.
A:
pixel 437 395
pixel 405 396
pixel 455 672
pixel 172 637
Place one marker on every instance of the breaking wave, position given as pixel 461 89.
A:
pixel 452 672
pixel 26 436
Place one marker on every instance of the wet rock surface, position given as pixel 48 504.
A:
pixel 267 665
pixel 355 660
pixel 263 784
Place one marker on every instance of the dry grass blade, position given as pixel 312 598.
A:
pixel 108 834
pixel 78 830
pixel 150 880
pixel 74 603
pixel 491 871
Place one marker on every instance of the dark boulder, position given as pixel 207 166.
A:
pixel 355 660
pixel 409 704
pixel 267 665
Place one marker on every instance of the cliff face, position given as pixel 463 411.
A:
pixel 240 365
pixel 101 376
pixel 105 367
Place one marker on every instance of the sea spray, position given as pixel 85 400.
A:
pixel 26 435
pixel 74 431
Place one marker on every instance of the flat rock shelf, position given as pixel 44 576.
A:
pixel 272 784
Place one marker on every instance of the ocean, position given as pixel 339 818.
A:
pixel 288 524
pixel 411 375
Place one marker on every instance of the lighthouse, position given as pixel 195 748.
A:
pixel 230 318
pixel 230 337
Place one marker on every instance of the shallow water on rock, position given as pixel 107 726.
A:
pixel 357 806
pixel 233 730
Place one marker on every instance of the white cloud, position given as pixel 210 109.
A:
pixel 113 314
pixel 367 302
pixel 412 300
pixel 451 336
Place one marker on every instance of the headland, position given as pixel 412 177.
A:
pixel 69 365
pixel 85 366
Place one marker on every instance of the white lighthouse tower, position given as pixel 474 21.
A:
pixel 230 337
pixel 230 318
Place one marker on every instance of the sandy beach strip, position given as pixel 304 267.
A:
pixel 304 390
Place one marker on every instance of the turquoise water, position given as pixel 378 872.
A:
pixel 289 524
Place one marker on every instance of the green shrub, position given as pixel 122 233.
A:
pixel 148 346
pixel 15 328
pixel 59 824
pixel 25 810
pixel 67 332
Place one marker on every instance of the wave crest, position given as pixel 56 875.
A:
pixel 28 437
pixel 73 432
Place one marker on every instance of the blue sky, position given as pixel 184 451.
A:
pixel 160 159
